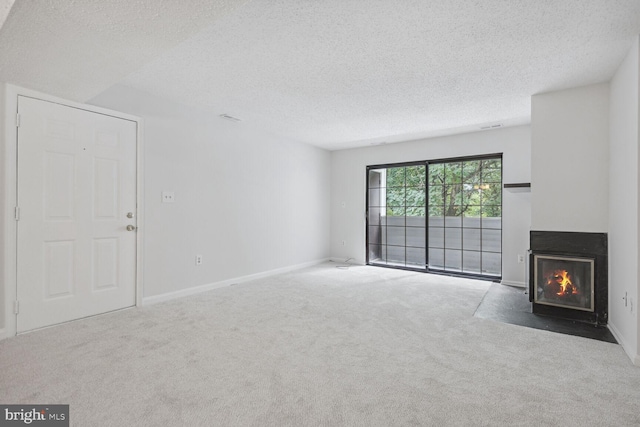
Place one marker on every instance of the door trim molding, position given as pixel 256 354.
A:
pixel 9 259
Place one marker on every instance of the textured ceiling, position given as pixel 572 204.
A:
pixel 334 73
pixel 77 48
pixel 5 7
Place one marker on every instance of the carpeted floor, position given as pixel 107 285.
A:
pixel 363 346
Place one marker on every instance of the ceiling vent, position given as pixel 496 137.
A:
pixel 496 126
pixel 228 117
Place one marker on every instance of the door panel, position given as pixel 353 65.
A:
pixel 465 216
pixel 442 215
pixel 76 184
pixel 396 216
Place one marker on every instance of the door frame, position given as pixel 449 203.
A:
pixel 427 163
pixel 10 187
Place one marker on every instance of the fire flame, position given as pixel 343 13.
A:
pixel 563 279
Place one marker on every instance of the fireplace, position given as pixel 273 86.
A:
pixel 568 275
pixel 563 282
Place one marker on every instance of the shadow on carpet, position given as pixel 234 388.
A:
pixel 508 304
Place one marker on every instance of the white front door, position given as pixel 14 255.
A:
pixel 76 197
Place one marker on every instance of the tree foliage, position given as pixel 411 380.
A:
pixel 406 191
pixel 472 188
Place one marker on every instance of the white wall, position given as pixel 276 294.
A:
pixel 246 201
pixel 623 203
pixel 348 186
pixel 3 234
pixel 569 158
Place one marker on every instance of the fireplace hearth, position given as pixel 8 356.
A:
pixel 568 275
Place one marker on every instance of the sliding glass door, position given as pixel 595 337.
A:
pixel 465 216
pixel 396 216
pixel 441 216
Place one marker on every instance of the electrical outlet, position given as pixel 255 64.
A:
pixel 344 243
pixel 520 259
pixel 168 197
pixel 198 259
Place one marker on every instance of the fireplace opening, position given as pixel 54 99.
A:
pixel 564 282
pixel 568 275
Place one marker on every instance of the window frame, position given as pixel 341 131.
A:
pixel 427 268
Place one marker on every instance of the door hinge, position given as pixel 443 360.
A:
pixel 16 307
pixel 17 213
pixel 17 120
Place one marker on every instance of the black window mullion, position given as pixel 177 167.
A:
pixel 426 215
pixel 404 209
pixel 481 221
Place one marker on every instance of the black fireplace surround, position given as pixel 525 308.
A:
pixel 588 249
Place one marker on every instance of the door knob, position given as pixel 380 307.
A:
pixel 130 215
pixel 130 227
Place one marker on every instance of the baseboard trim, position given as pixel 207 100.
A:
pixel 3 333
pixel 635 358
pixel 512 283
pixel 228 282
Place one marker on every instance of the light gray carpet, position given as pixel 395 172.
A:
pixel 324 346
